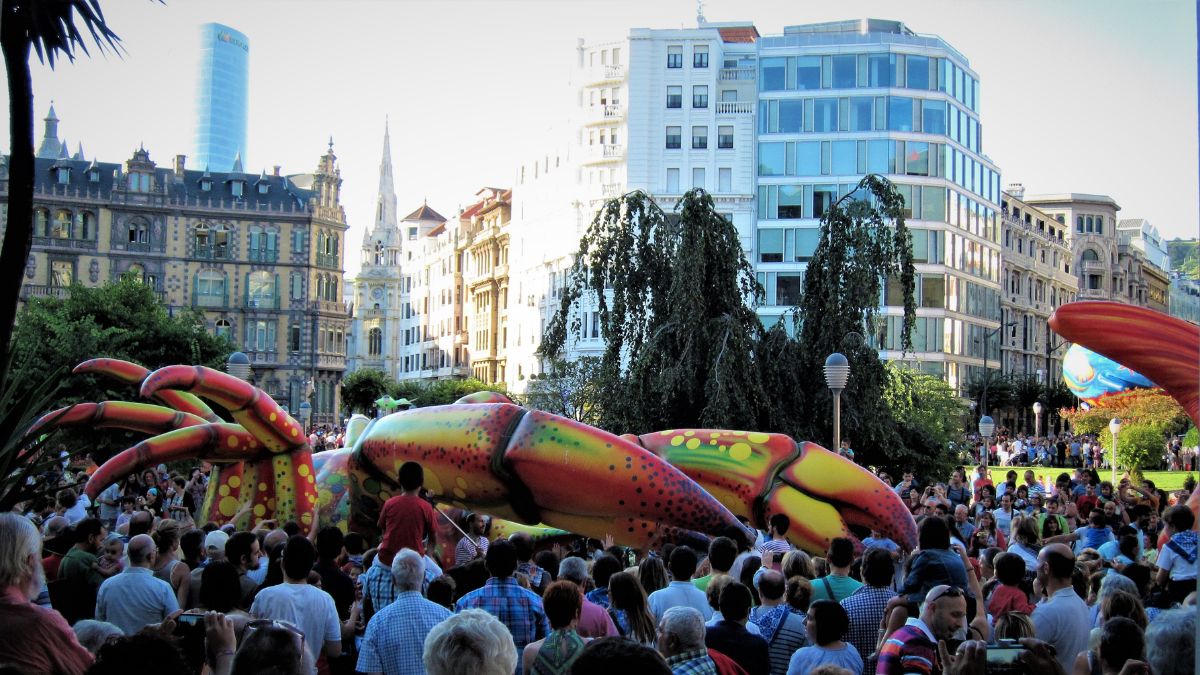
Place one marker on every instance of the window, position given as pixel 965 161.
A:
pixel 771 159
pixel 808 158
pixel 825 114
pixel 933 291
pixel 917 72
pixel 61 226
pixel 294 337
pixel 375 341
pixel 773 75
pixel 808 72
pixel 675 97
pixel 64 175
pixel 236 188
pixel 900 109
pixel 700 96
pixel 933 117
pixel 62 273
pixel 674 140
pixel 1079 223
pixel 94 176
pixel 699 138
pixel 787 288
pixel 1099 224
pixel 823 198
pixel 881 69
pixel 916 160
pixel 139 232
pixel 210 289
pixel 791 116
pixel 862 113
pixel 700 56
pixel 806 243
pixel 222 328
pixel 725 137
pixel 674 57
pixel 297 286
pixel 791 202
pixel 770 245
pixel 724 180
pixel 260 336
pixel 1089 255
pixel 672 181
pixel 297 240
pixel 260 289
pixel 844 71
pixel 698 178
pixel 845 158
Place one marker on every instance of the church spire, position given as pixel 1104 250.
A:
pixel 50 147
pixel 385 202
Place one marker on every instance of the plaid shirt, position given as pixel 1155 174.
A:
pixel 395 636
pixel 379 587
pixel 865 608
pixel 696 662
pixel 518 608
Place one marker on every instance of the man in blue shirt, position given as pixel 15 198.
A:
pixel 517 608
pixel 681 592
pixel 396 635
pixel 136 598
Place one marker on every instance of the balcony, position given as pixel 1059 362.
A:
pixel 735 107
pixel 600 74
pixel 31 291
pixel 263 255
pixel 327 260
pixel 1094 266
pixel 604 153
pixel 606 113
pixel 58 242
pixel 1092 294
pixel 737 74
pixel 211 251
pixel 138 246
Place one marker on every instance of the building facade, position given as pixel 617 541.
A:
pixel 259 255
pixel 1185 297
pixel 484 251
pixel 222 97
pixel 1036 279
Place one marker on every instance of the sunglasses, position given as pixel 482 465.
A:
pixel 293 629
pixel 945 592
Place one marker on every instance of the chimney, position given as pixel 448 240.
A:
pixel 1016 189
pixel 276 172
pixel 179 164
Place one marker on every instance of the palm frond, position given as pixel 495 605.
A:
pixel 52 27
pixel 22 459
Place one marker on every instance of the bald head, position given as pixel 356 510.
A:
pixel 140 523
pixel 1059 560
pixel 771 586
pixel 274 539
pixel 142 550
pixel 55 526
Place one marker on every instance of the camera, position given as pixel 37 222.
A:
pixel 1003 657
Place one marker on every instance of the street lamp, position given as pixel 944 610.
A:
pixel 238 365
pixel 986 428
pixel 1114 426
pixel 837 372
pixel 1037 419
pixel 987 335
pixel 305 413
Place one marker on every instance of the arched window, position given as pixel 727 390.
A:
pixel 85 225
pixel 41 222
pixel 138 271
pixel 222 329
pixel 1090 255
pixel 61 228
pixel 320 286
pixel 375 341
pixel 139 231
pixel 332 288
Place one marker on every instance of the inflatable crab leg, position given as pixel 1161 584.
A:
pixel 132 373
pixel 215 442
pixel 146 418
pixel 758 474
pixel 250 406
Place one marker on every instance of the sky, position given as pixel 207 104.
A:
pixel 1093 96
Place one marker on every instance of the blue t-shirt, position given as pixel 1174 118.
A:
pixel 808 659
pixel 882 542
pixel 1091 537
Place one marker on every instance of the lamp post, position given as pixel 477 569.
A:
pixel 238 365
pixel 305 413
pixel 986 428
pixel 1114 426
pixel 837 372
pixel 1037 419
pixel 987 334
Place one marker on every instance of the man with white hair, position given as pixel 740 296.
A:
pixel 136 598
pixel 472 641
pixel 1171 642
pixel 681 642
pixel 395 635
pixel 32 638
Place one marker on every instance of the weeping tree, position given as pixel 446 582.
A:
pixel 675 296
pixel 864 241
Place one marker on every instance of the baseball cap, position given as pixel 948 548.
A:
pixel 216 540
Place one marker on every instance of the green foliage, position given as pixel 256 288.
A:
pixel 928 418
pixel 440 392
pixel 1001 392
pixel 1192 438
pixel 23 398
pixel 124 320
pixel 570 389
pixel 361 388
pixel 1139 446
pixel 672 296
pixel 1185 257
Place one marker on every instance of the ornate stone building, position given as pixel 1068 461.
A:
pixel 483 245
pixel 259 255
pixel 1035 278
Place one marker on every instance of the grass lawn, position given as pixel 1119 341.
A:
pixel 1164 480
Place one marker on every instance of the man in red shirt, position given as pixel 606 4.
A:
pixel 32 638
pixel 406 519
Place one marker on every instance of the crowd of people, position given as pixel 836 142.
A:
pixel 1070 451
pixel 1012 574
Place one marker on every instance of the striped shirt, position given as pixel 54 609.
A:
pixel 789 636
pixel 470 548
pixel 911 649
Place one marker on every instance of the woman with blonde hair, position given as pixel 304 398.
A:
pixel 1013 626
pixel 170 566
pixel 797 564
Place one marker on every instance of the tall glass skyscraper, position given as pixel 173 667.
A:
pixel 842 99
pixel 222 97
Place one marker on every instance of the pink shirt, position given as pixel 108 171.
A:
pixel 594 621
pixel 38 640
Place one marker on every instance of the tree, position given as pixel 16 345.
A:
pixel 1027 390
pixel 570 389
pixel 363 387
pixel 864 241
pixel 1001 395
pixel 122 319
pixel 440 392
pixel 48 28
pixel 672 294
pixel 928 417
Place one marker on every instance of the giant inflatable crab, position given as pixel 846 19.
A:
pixel 484 453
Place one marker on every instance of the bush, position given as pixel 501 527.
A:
pixel 1139 446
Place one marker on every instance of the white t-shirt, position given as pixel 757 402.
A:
pixel 1179 568
pixel 308 607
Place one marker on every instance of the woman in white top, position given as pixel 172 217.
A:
pixel 1177 559
pixel 1026 543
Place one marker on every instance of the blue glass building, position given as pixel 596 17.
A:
pixel 222 97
